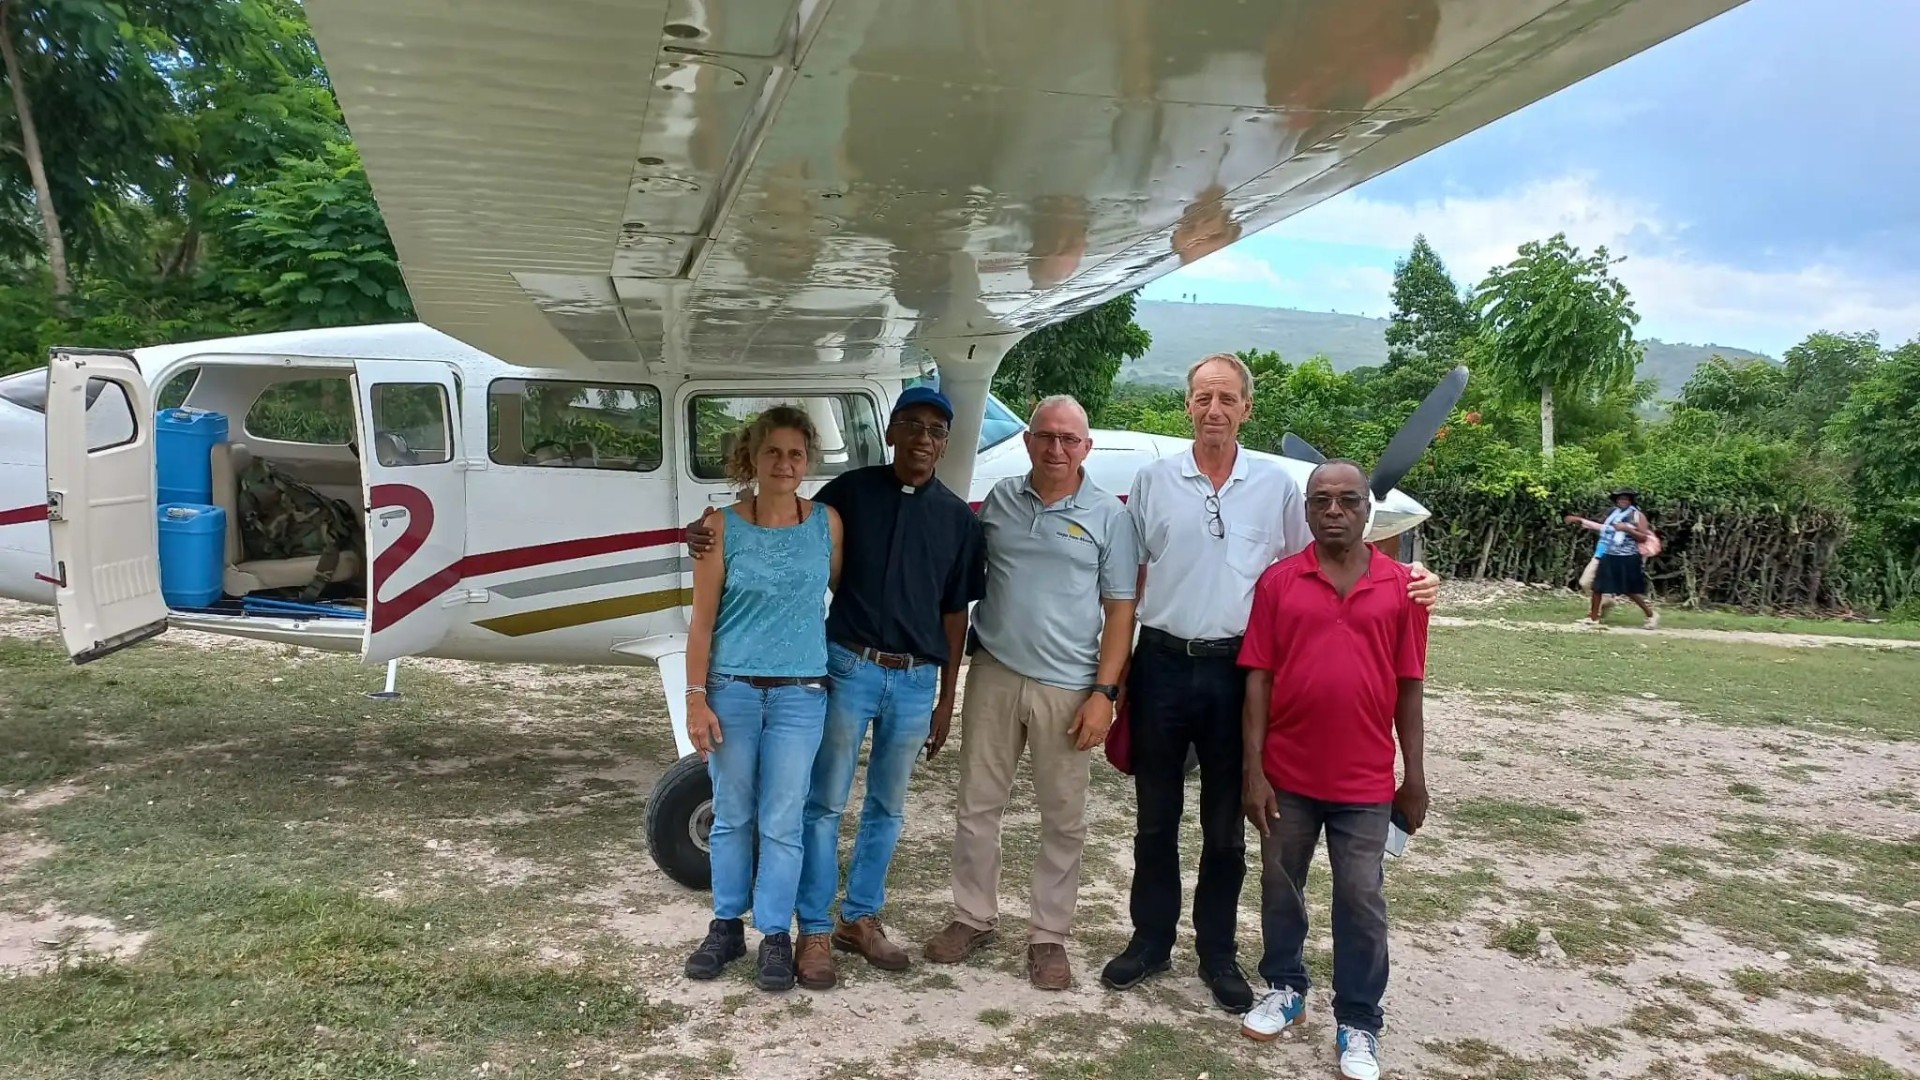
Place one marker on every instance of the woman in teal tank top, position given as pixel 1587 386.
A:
pixel 756 687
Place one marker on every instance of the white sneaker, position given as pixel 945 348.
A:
pixel 1274 1013
pixel 1359 1054
pixel 1653 621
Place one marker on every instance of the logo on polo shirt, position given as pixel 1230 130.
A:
pixel 1073 531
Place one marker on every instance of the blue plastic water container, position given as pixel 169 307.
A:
pixel 193 554
pixel 183 442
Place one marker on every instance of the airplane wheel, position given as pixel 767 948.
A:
pixel 679 817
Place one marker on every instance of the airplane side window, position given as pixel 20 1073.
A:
pixel 110 421
pixel 410 424
pixel 847 423
pixel 314 411
pixel 555 424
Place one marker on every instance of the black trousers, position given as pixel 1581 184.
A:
pixel 1176 701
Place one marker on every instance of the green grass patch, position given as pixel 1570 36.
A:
pixel 1589 926
pixel 1477 1059
pixel 1567 608
pixel 1510 823
pixel 1818 982
pixel 1864 691
pixel 1418 896
pixel 330 886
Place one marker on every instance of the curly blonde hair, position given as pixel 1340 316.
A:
pixel 753 435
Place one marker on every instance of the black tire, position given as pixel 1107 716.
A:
pixel 679 816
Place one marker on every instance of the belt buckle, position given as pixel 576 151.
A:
pixel 1193 647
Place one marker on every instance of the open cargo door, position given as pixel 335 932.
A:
pixel 416 498
pixel 101 509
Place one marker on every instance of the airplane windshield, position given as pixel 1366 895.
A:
pixel 28 389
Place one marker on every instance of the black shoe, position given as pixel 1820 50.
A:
pixel 776 962
pixel 726 942
pixel 1131 968
pixel 1229 985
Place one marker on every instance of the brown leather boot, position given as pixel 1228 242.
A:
pixel 815 962
pixel 1048 968
pixel 864 936
pixel 957 942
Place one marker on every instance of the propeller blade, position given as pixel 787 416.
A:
pixel 1300 449
pixel 1414 436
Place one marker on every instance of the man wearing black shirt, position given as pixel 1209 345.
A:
pixel 914 561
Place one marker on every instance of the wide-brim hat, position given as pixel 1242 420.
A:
pixel 1627 491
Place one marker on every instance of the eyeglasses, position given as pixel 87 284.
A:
pixel 1349 503
pixel 1214 525
pixel 914 429
pixel 1067 442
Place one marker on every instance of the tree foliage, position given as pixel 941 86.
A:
pixel 1430 316
pixel 200 172
pixel 1555 324
pixel 1079 356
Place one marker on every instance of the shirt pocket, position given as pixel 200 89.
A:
pixel 1249 550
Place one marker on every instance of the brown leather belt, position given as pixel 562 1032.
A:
pixel 892 661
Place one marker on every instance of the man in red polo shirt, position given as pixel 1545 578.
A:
pixel 1333 626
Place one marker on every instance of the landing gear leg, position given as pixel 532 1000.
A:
pixel 680 810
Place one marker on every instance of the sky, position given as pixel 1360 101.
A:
pixel 1760 172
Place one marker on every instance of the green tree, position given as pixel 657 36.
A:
pixel 1745 393
pixel 1879 429
pixel 1820 374
pixel 312 246
pixel 1430 316
pixel 1079 356
pixel 1555 322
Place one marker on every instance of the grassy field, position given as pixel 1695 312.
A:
pixel 1563 606
pixel 1648 859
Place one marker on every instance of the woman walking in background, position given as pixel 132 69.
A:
pixel 1623 570
pixel 756 687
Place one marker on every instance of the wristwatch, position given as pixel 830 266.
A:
pixel 1107 690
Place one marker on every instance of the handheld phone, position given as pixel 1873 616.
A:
pixel 1397 835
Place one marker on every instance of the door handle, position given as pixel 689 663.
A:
pixel 392 515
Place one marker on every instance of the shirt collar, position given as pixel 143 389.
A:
pixel 1190 466
pixel 894 482
pixel 1073 499
pixel 1367 577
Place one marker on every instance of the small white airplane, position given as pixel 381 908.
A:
pixel 627 226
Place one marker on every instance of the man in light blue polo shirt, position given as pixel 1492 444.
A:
pixel 1051 639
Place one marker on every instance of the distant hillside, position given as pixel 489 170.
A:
pixel 1182 333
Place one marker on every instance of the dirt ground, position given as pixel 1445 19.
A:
pixel 1606 888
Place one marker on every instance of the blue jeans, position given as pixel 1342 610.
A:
pixel 1356 848
pixel 899 705
pixel 760 773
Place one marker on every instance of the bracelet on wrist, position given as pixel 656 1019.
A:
pixel 692 690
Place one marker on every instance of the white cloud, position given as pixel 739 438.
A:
pixel 1681 296
pixel 1236 265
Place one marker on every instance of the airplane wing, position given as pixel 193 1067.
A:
pixel 729 185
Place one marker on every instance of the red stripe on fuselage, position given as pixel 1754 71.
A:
pixel 23 515
pixel 420 525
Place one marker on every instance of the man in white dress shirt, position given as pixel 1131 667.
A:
pixel 1210 522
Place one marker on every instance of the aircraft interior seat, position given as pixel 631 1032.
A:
pixel 244 577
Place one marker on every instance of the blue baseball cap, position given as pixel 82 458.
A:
pixel 923 395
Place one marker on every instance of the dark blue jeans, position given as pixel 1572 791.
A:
pixel 1356 848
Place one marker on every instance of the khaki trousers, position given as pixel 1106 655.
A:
pixel 1006 712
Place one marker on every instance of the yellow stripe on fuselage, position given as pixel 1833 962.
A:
pixel 592 611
